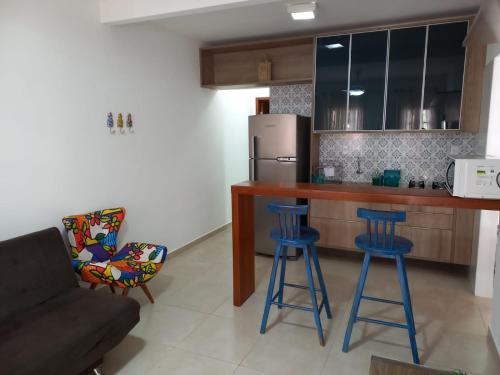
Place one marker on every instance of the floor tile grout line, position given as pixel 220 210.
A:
pixel 203 356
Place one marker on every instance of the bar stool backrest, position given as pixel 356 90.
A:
pixel 289 218
pixel 383 237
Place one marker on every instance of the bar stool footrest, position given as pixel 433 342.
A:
pixel 382 322
pixel 301 287
pixel 297 307
pixel 383 300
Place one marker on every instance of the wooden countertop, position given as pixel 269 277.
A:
pixel 363 192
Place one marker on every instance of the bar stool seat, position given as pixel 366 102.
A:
pixel 291 234
pixel 401 245
pixel 305 235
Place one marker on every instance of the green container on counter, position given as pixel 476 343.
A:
pixel 392 177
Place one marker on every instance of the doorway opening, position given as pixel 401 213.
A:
pixel 262 105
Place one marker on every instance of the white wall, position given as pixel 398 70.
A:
pixel 486 222
pixel 61 71
pixel 124 11
pixel 235 107
pixel 493 148
pixel 495 308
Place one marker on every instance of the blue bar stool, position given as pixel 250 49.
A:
pixel 291 233
pixel 383 244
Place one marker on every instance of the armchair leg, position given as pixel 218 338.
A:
pixel 112 289
pixel 147 293
pixel 93 286
pixel 125 292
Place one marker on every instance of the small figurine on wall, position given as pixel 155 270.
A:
pixel 130 124
pixel 110 122
pixel 119 122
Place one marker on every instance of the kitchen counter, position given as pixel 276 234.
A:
pixel 364 192
pixel 243 214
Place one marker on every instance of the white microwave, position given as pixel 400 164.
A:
pixel 474 177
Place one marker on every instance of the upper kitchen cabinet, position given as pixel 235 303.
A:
pixel 332 82
pixel 352 101
pixel 237 65
pixel 404 82
pixel 444 76
pixel 404 78
pixel 367 81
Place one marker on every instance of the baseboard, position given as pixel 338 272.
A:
pixel 196 241
pixel 492 339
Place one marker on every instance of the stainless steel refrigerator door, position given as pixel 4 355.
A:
pixel 272 136
pixel 270 171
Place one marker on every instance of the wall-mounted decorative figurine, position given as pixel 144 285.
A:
pixel 119 122
pixel 130 124
pixel 110 122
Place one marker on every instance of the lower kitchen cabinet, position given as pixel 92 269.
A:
pixel 438 233
pixel 434 244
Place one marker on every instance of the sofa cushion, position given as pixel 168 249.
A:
pixel 35 267
pixel 66 333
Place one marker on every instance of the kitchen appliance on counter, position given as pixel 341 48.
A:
pixel 474 177
pixel 279 152
pixel 328 174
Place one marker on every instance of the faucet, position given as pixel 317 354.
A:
pixel 358 160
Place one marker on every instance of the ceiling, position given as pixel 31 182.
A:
pixel 272 19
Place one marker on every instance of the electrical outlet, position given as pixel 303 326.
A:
pixel 454 150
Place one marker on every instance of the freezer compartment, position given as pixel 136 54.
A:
pixel 272 136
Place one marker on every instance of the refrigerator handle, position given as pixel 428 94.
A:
pixel 254 147
pixel 253 167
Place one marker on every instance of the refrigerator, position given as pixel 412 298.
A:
pixel 279 152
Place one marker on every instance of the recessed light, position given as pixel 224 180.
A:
pixel 334 46
pixel 303 11
pixel 356 92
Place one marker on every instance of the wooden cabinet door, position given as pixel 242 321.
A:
pixel 338 234
pixel 435 244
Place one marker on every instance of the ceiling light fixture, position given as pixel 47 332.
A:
pixel 334 46
pixel 303 11
pixel 356 92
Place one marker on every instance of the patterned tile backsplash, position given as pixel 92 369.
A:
pixel 296 99
pixel 417 155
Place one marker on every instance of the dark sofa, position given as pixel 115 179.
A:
pixel 48 325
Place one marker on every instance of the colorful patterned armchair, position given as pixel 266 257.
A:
pixel 93 238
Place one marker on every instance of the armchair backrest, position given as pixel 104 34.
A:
pixel 35 268
pixel 93 236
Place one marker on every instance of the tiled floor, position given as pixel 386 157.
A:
pixel 193 327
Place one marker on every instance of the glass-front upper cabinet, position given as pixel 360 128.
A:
pixel 332 79
pixel 402 79
pixel 367 81
pixel 404 82
pixel 444 76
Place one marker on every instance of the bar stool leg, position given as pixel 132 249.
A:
pixel 312 292
pixel 282 275
pixel 314 254
pixel 405 293
pixel 270 289
pixel 356 302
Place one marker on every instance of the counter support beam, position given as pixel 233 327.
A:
pixel 243 247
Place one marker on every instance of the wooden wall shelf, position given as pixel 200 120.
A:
pixel 277 82
pixel 236 66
